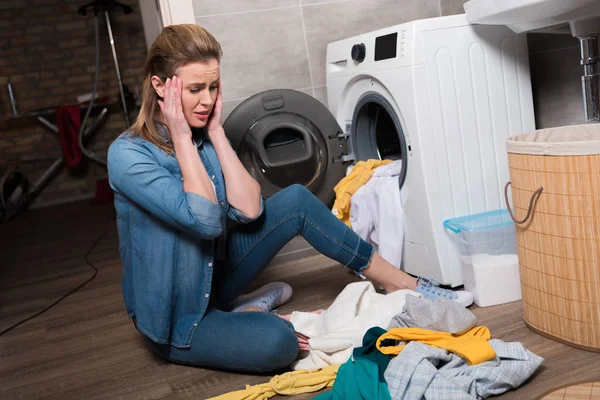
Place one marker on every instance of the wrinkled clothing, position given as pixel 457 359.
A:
pixel 426 372
pixel 339 329
pixel 376 213
pixel 345 189
pixel 290 383
pixel 438 315
pixel 362 376
pixel 472 345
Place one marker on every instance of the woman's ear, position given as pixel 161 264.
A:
pixel 158 85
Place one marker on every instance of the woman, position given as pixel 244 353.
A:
pixel 178 184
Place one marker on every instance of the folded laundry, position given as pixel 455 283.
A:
pixel 425 372
pixel 436 314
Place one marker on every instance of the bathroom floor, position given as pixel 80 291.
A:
pixel 86 348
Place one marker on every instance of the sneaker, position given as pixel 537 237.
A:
pixel 267 297
pixel 430 290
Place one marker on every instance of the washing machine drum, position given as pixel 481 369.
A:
pixel 284 137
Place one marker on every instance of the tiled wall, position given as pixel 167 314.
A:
pixel 556 80
pixel 271 44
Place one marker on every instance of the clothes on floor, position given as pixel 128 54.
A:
pixel 362 376
pixel 302 339
pixel 376 212
pixel 472 345
pixel 426 372
pixel 345 189
pixel 290 383
pixel 438 315
pixel 334 333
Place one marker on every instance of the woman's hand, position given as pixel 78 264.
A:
pixel 215 123
pixel 172 110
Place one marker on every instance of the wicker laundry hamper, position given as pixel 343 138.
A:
pixel 555 176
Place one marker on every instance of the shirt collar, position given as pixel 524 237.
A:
pixel 198 135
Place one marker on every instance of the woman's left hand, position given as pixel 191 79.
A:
pixel 215 123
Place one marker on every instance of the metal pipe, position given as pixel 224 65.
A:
pixel 590 81
pixel 11 99
pixel 119 82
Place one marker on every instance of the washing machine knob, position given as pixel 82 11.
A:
pixel 358 52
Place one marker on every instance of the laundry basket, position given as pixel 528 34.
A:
pixel 555 176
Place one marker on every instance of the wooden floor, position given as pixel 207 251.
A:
pixel 86 348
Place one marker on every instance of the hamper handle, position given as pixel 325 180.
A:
pixel 533 196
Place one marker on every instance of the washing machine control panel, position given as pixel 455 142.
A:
pixel 359 51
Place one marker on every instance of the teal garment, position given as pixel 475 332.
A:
pixel 362 376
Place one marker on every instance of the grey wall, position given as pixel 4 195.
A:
pixel 282 44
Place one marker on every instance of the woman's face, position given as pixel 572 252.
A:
pixel 199 92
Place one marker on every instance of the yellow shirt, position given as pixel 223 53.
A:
pixel 472 345
pixel 290 383
pixel 360 174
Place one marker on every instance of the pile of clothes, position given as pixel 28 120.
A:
pixel 397 346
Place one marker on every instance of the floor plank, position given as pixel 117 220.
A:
pixel 86 348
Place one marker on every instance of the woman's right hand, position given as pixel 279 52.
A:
pixel 172 110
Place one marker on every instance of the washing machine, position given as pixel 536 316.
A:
pixel 439 94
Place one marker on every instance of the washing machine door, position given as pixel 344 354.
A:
pixel 284 137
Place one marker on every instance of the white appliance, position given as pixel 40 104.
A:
pixel 453 92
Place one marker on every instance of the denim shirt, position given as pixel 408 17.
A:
pixel 166 236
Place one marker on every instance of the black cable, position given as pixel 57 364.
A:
pixel 70 292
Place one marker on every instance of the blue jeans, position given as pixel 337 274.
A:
pixel 259 342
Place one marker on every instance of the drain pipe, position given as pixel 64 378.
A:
pixel 590 81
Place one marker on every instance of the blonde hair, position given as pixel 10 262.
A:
pixel 175 47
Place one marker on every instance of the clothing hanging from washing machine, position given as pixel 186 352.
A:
pixel 347 187
pixel 376 212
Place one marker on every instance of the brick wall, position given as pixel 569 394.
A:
pixel 47 52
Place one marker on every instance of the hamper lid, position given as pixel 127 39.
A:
pixel 560 141
pixel 477 222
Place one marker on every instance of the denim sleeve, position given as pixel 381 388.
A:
pixel 135 173
pixel 238 216
pixel 242 218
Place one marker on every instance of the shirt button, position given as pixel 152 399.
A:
pixel 212 177
pixel 182 178
pixel 206 295
pixel 210 264
pixel 195 324
pixel 222 203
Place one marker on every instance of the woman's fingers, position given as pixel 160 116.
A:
pixel 178 100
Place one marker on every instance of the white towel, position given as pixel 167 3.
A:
pixel 338 330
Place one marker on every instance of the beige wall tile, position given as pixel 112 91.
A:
pixel 556 85
pixel 452 7
pixel 262 50
pixel 211 7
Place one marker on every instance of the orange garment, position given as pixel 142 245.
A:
pixel 473 345
pixel 360 174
